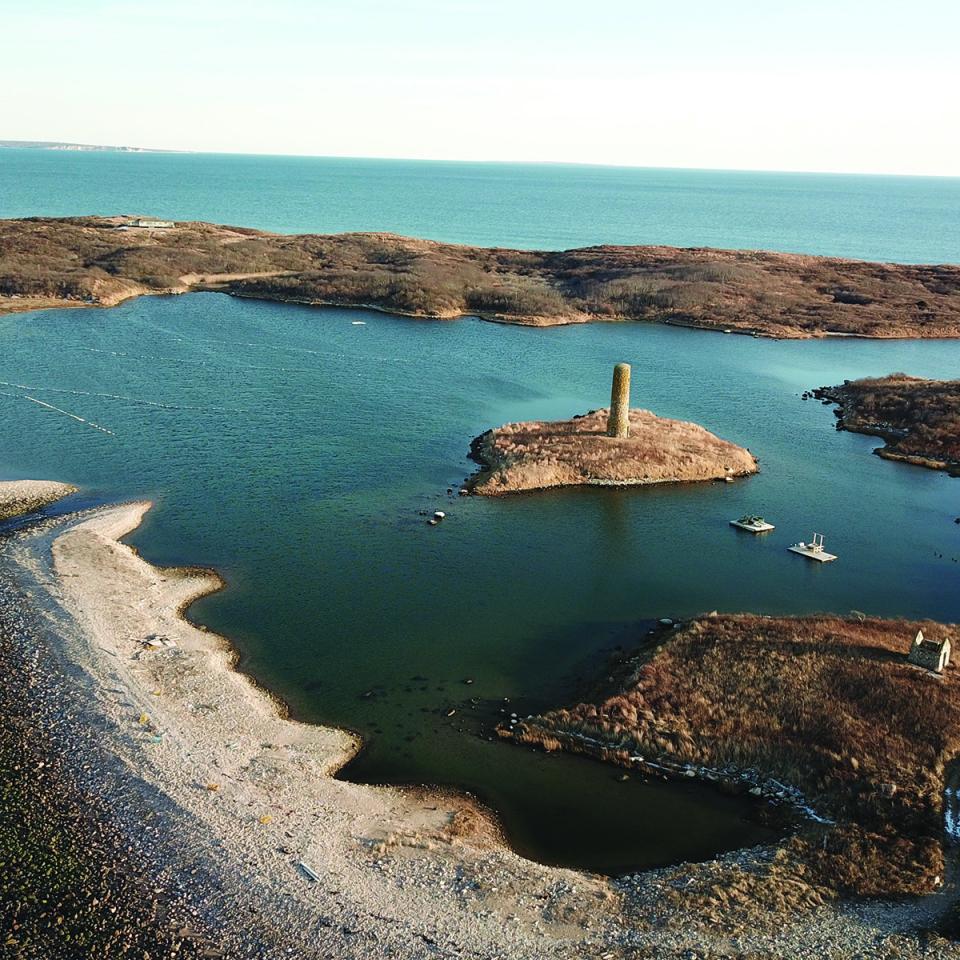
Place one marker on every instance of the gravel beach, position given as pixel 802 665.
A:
pixel 18 497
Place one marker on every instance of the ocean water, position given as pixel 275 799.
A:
pixel 908 219
pixel 295 450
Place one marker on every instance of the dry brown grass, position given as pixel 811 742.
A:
pixel 827 705
pixel 919 419
pixel 85 259
pixel 541 454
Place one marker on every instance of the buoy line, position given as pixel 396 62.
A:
pixel 67 413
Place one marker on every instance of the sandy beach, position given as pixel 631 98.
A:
pixel 248 795
pixel 213 788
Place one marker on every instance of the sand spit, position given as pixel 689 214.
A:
pixel 540 454
pixel 18 497
pixel 248 796
pixel 222 798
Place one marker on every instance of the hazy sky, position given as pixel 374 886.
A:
pixel 843 85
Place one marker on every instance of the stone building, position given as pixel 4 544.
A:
pixel 144 223
pixel 932 654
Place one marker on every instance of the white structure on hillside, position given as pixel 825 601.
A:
pixel 145 223
pixel 932 654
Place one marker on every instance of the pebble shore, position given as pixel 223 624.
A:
pixel 18 497
pixel 71 885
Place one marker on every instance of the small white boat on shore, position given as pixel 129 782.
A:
pixel 753 524
pixel 813 550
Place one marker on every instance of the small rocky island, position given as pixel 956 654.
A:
pixel 609 447
pixel 919 419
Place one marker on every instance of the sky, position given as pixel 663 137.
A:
pixel 840 86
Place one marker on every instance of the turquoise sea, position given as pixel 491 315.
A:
pixel 294 449
pixel 549 206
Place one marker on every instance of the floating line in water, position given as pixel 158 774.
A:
pixel 277 347
pixel 142 356
pixel 67 413
pixel 117 396
pixel 208 364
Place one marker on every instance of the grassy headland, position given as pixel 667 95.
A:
pixel 88 260
pixel 825 706
pixel 919 419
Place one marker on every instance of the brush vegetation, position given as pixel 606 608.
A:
pixel 48 262
pixel 828 706
pixel 919 419
pixel 542 454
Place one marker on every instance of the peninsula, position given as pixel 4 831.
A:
pixel 100 261
pixel 919 419
pixel 824 713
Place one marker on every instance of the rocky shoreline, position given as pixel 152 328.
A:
pixel 72 883
pixel 729 778
pixel 918 419
pixel 19 497
pixel 99 261
pixel 539 455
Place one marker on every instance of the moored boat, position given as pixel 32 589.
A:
pixel 753 524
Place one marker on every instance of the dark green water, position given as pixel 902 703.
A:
pixel 293 450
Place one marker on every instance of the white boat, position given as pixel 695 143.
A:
pixel 753 524
pixel 813 550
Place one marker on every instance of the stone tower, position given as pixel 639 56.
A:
pixel 618 424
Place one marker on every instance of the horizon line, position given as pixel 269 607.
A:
pixel 53 145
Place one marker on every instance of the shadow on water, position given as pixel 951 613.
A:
pixel 572 811
pixel 560 808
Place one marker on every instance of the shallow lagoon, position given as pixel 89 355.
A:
pixel 293 449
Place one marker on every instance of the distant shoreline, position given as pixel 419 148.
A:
pixel 502 162
pixel 76 147
pixel 101 261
